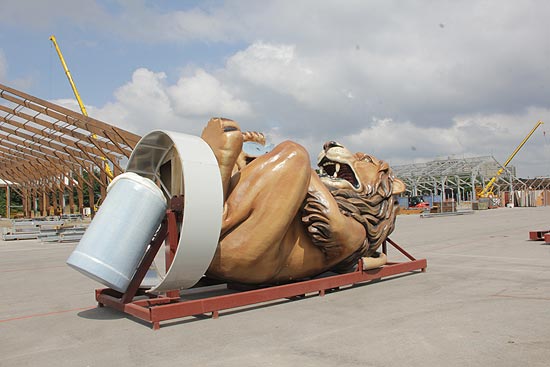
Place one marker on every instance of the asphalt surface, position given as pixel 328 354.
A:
pixel 484 301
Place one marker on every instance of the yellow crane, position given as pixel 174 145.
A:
pixel 78 99
pixel 487 189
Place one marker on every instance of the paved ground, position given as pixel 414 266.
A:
pixel 485 301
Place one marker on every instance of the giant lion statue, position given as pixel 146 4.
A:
pixel 284 222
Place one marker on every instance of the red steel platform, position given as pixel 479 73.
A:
pixel 172 305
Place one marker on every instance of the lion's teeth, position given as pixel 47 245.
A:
pixel 335 175
pixel 337 167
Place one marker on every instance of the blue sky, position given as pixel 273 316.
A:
pixel 100 59
pixel 405 81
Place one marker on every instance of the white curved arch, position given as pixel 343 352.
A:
pixel 203 202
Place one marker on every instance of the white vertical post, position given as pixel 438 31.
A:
pixel 442 193
pixel 474 198
pixel 8 203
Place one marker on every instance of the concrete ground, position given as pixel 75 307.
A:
pixel 484 301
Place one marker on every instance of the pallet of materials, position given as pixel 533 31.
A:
pixel 71 234
pixel 45 230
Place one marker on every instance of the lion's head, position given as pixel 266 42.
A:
pixel 363 187
pixel 362 173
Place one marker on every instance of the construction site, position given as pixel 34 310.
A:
pixel 461 280
pixel 58 162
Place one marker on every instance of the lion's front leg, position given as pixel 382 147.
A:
pixel 225 138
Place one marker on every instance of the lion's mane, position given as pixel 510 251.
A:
pixel 376 212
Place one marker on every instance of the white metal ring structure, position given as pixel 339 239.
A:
pixel 184 164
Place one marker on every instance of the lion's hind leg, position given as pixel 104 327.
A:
pixel 257 230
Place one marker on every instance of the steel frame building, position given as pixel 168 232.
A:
pixel 459 177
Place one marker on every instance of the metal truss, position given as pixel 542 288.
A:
pixel 462 176
pixel 46 148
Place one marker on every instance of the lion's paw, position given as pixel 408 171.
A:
pixel 376 261
pixel 225 138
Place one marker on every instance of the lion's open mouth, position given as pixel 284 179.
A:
pixel 337 171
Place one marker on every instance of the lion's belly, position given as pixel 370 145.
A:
pixel 241 258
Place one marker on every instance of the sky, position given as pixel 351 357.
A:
pixel 407 82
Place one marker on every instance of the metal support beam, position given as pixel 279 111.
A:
pixel 8 214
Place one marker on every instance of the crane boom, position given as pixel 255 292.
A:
pixel 78 99
pixel 487 187
pixel 68 73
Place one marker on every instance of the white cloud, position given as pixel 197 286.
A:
pixel 141 105
pixel 422 63
pixel 193 24
pixel 473 135
pixel 69 103
pixel 42 14
pixel 148 102
pixel 385 136
pixel 202 95
pixel 255 76
pixel 277 68
pixel 385 77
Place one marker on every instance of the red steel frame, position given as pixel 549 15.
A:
pixel 538 235
pixel 156 308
